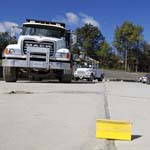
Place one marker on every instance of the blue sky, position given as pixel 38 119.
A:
pixel 106 14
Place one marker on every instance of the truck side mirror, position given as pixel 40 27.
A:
pixel 15 30
pixel 71 38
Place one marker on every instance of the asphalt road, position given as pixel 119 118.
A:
pixel 50 115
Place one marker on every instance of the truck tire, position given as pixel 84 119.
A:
pixel 101 78
pixel 76 79
pixel 10 74
pixel 65 78
pixel 91 78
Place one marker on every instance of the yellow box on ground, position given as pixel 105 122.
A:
pixel 113 129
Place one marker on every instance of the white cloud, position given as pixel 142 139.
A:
pixel 72 18
pixel 6 26
pixel 89 20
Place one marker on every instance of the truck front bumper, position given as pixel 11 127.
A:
pixel 23 63
pixel 82 76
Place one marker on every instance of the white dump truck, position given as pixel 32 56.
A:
pixel 42 51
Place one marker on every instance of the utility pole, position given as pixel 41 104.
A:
pixel 126 59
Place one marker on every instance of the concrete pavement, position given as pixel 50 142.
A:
pixel 50 116
pixel 131 102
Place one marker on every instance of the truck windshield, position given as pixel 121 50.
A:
pixel 43 31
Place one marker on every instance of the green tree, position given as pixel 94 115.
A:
pixel 114 61
pixel 5 39
pixel 128 37
pixel 89 38
pixel 104 53
pixel 144 58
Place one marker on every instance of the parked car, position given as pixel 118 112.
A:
pixel 145 78
pixel 139 79
pixel 148 79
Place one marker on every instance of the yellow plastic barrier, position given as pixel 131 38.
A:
pixel 113 129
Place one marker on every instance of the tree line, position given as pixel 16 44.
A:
pixel 128 51
pixel 5 39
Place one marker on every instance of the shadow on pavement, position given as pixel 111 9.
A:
pixel 134 137
pixel 56 82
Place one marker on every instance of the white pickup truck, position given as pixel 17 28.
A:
pixel 89 72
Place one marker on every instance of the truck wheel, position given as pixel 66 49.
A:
pixel 65 78
pixel 10 74
pixel 91 78
pixel 101 78
pixel 76 79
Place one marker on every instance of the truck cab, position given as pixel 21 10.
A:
pixel 42 51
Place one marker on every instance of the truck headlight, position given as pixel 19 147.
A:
pixel 11 51
pixel 63 55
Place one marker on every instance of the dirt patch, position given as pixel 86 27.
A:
pixel 19 92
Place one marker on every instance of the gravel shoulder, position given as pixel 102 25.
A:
pixel 121 75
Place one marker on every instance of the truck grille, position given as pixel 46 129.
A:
pixel 43 44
